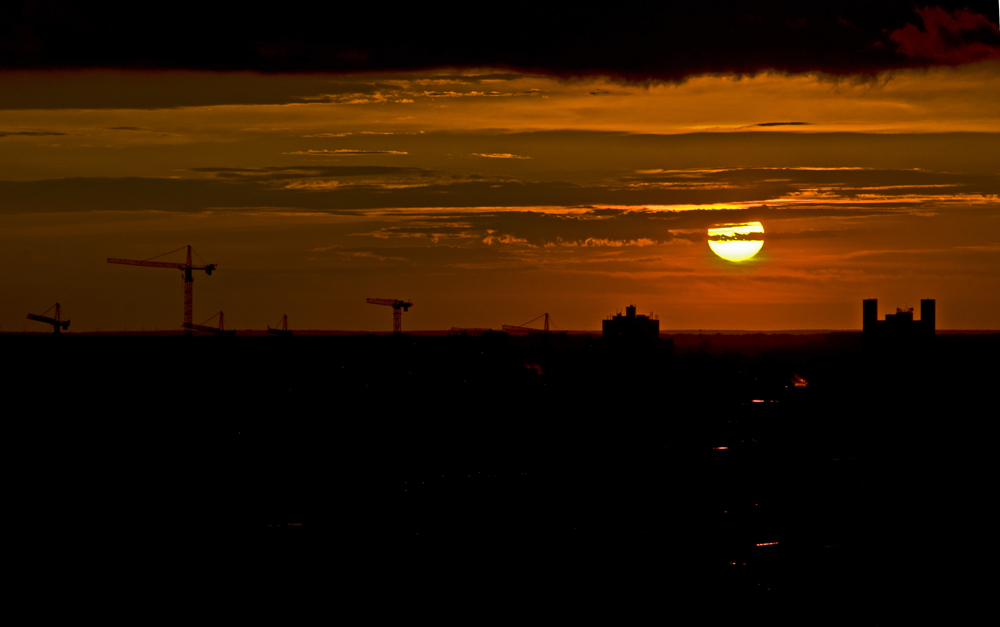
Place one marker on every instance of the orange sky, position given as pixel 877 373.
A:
pixel 489 197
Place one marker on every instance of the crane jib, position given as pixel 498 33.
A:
pixel 162 264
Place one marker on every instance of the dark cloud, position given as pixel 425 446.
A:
pixel 28 133
pixel 575 151
pixel 841 182
pixel 623 226
pixel 962 37
pixel 343 189
pixel 783 124
pixel 657 226
pixel 809 234
pixel 473 79
pixel 631 40
pixel 133 194
pixel 168 90
pixel 605 227
pixel 287 173
pixel 360 256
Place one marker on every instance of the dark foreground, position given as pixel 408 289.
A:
pixel 424 472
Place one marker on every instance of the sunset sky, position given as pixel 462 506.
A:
pixel 568 163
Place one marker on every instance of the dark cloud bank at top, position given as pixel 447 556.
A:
pixel 627 40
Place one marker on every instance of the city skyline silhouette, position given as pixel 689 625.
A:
pixel 755 245
pixel 489 194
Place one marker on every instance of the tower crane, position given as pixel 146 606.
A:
pixel 58 324
pixel 284 328
pixel 524 327
pixel 218 332
pixel 398 307
pixel 187 268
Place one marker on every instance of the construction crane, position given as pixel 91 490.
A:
pixel 398 307
pixel 187 268
pixel 58 324
pixel 524 327
pixel 284 328
pixel 218 332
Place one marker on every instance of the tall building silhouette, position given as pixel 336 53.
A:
pixel 898 330
pixel 631 327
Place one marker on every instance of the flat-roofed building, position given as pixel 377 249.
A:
pixel 631 327
pixel 898 329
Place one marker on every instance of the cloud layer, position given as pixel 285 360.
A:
pixel 631 40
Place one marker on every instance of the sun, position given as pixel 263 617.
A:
pixel 736 242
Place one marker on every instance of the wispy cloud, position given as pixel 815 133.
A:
pixel 344 152
pixel 283 173
pixel 492 238
pixel 478 94
pixel 498 155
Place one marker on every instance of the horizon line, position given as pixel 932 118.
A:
pixel 595 332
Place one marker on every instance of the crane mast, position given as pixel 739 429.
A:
pixel 398 307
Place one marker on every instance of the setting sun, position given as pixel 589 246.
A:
pixel 736 242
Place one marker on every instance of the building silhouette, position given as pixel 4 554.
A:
pixel 898 330
pixel 631 328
